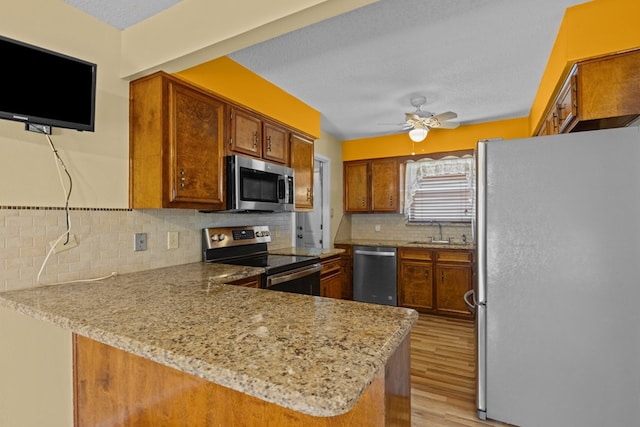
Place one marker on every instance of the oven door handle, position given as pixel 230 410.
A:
pixel 292 275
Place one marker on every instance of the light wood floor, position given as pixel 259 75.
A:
pixel 443 371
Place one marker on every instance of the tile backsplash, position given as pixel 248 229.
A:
pixel 106 241
pixel 395 227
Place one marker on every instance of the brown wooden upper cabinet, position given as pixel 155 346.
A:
pixel 245 133
pixel 275 144
pixel 255 136
pixel 177 134
pixel 301 160
pixel 598 93
pixel 372 186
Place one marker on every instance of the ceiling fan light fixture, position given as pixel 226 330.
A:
pixel 418 134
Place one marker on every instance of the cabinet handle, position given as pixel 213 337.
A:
pixel 390 201
pixel 442 277
pixel 269 143
pixel 182 179
pixel 309 195
pixel 426 274
pixel 255 139
pixel 363 202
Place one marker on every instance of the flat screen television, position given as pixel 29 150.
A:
pixel 42 87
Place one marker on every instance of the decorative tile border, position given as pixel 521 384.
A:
pixel 57 208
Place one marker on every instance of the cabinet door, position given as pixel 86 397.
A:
pixel 246 133
pixel 331 277
pixel 567 105
pixel 346 264
pixel 356 187
pixel 301 155
pixel 452 281
pixel 275 146
pixel 385 176
pixel 196 146
pixel 415 285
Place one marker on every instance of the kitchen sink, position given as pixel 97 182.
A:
pixel 437 242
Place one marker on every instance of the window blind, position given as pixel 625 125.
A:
pixel 440 190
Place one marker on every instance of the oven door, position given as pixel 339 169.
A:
pixel 303 280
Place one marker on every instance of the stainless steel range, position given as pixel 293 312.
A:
pixel 247 245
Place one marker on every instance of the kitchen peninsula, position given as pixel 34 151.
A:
pixel 176 344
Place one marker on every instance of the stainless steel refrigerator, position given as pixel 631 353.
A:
pixel 558 291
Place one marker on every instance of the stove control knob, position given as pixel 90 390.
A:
pixel 258 233
pixel 213 238
pixel 266 233
pixel 221 237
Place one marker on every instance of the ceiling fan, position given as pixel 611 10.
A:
pixel 421 121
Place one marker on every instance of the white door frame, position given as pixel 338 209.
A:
pixel 326 197
pixel 326 206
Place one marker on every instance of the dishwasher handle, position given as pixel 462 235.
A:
pixel 374 253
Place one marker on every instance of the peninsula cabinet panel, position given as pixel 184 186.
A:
pixel 116 388
pixel 301 158
pixel 176 145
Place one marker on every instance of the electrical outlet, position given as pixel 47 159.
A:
pixel 377 227
pixel 140 242
pixel 173 239
pixel 61 246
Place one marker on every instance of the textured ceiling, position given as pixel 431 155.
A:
pixel 482 59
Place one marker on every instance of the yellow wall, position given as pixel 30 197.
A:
pixel 233 81
pixel 588 30
pixel 438 140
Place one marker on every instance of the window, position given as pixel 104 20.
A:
pixel 440 190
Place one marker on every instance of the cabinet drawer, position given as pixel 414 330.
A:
pixel 454 256
pixel 416 253
pixel 249 282
pixel 330 266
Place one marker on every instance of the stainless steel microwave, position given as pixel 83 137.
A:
pixel 256 185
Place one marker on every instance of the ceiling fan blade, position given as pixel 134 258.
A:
pixel 448 125
pixel 412 116
pixel 445 116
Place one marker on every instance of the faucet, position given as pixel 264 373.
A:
pixel 439 229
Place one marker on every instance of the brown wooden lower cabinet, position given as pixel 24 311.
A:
pixel 435 281
pixel 249 282
pixel 116 388
pixel 331 277
pixel 346 259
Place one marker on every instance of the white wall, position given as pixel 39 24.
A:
pixel 330 147
pixel 97 161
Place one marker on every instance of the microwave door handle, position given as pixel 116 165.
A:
pixel 282 188
pixel 283 183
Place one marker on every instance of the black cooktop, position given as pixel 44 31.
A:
pixel 274 264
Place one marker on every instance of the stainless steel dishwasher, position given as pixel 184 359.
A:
pixel 375 274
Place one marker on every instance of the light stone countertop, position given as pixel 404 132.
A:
pixel 319 252
pixel 405 243
pixel 311 354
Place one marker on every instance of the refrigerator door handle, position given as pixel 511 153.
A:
pixel 470 303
